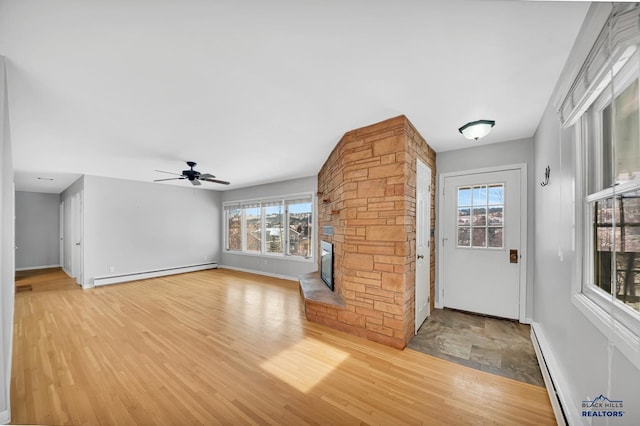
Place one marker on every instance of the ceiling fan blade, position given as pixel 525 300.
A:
pixel 169 173
pixel 223 182
pixel 207 176
pixel 195 182
pixel 162 180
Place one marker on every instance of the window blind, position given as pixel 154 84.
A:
pixel 614 46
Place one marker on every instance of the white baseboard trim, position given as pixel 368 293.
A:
pixel 115 279
pixel 33 268
pixel 5 417
pixel 564 406
pixel 252 271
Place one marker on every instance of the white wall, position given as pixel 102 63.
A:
pixel 37 230
pixel 589 364
pixel 7 253
pixel 495 155
pixel 586 360
pixel 136 227
pixel 272 265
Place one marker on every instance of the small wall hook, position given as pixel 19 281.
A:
pixel 547 173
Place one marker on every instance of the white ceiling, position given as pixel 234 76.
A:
pixel 258 91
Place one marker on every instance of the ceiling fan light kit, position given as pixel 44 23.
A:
pixel 477 129
pixel 193 176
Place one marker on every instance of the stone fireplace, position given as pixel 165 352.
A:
pixel 366 196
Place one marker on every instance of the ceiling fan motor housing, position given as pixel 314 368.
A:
pixel 190 174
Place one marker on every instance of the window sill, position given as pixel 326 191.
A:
pixel 622 338
pixel 272 256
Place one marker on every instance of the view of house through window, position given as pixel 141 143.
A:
pixel 273 227
pixel 480 221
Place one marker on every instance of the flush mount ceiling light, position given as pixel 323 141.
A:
pixel 477 129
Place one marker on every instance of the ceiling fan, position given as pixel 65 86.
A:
pixel 194 176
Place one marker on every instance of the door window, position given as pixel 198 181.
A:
pixel 480 221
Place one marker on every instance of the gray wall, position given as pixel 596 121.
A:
pixel 7 253
pixel 270 265
pixel 37 230
pixel 139 226
pixel 495 155
pixel 587 360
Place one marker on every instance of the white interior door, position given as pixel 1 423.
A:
pixel 481 243
pixel 73 253
pixel 61 247
pixel 423 251
pixel 76 240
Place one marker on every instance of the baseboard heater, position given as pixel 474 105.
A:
pixel 114 279
pixel 554 395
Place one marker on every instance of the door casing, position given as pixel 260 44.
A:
pixel 524 285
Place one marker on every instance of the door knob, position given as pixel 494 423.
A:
pixel 513 256
pixel 420 256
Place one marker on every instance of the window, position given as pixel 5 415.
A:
pixel 299 215
pixel 272 227
pixel 252 227
pixel 234 227
pixel 601 105
pixel 481 216
pixel 611 142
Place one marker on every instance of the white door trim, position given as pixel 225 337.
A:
pixel 524 225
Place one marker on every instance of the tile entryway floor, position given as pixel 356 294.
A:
pixel 489 344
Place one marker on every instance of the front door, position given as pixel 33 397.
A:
pixel 481 243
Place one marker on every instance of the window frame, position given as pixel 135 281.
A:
pixel 620 323
pixel 591 134
pixel 263 204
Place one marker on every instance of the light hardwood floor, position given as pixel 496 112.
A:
pixel 224 347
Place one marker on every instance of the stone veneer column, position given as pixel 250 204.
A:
pixel 366 191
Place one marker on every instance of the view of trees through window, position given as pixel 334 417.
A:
pixel 625 220
pixel 234 229
pixel 281 227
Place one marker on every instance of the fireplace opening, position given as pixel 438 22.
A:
pixel 326 263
